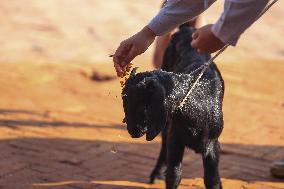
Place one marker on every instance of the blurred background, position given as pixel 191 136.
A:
pixel 61 111
pixel 89 30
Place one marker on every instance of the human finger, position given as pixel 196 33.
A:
pixel 115 59
pixel 128 67
pixel 121 48
pixel 118 66
pixel 131 55
pixel 195 35
pixel 194 43
pixel 124 67
pixel 118 69
pixel 121 52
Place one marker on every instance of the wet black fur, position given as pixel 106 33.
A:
pixel 150 107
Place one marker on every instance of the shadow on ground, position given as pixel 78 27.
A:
pixel 41 162
pixel 14 123
pixel 54 163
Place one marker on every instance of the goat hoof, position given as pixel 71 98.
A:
pixel 156 178
pixel 155 181
pixel 218 186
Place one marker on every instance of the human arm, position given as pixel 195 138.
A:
pixel 130 48
pixel 237 16
pixel 139 43
pixel 177 12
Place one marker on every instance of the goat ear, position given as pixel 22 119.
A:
pixel 146 82
pixel 156 111
pixel 133 72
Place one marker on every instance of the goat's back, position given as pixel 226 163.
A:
pixel 181 58
pixel 204 106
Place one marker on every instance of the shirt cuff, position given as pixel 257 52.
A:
pixel 154 25
pixel 222 33
pixel 161 24
pixel 236 18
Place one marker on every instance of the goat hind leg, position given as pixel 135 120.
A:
pixel 210 163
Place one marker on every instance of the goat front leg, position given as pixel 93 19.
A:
pixel 210 163
pixel 175 152
pixel 159 171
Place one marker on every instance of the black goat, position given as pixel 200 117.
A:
pixel 150 102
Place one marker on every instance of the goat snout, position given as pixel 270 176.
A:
pixel 137 131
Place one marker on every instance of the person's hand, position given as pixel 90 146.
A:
pixel 130 48
pixel 205 41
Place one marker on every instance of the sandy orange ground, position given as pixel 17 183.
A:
pixel 60 129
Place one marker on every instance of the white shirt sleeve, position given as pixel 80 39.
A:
pixel 175 13
pixel 238 15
